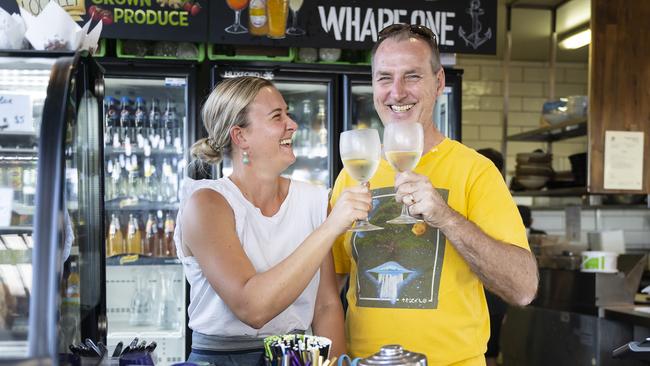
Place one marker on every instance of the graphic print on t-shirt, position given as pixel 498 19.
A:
pixel 400 266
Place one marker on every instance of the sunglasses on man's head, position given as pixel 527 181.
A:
pixel 416 29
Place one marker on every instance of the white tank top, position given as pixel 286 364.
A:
pixel 266 241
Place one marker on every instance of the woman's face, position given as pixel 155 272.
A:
pixel 270 130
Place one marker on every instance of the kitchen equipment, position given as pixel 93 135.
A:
pixel 596 261
pixel 576 106
pixel 389 355
pixel 555 111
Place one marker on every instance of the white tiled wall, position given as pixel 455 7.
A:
pixel 483 104
pixel 635 224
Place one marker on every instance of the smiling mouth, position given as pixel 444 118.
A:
pixel 285 142
pixel 401 108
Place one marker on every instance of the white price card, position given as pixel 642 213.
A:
pixel 6 205
pixel 623 160
pixel 16 112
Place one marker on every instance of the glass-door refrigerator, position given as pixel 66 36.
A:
pixel 148 126
pixel 50 267
pixel 359 110
pixel 312 96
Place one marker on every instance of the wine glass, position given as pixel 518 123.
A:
pixel 294 6
pixel 361 152
pixel 403 144
pixel 237 6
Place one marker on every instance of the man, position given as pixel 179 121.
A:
pixel 421 285
pixel 527 218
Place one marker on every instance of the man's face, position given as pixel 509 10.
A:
pixel 404 86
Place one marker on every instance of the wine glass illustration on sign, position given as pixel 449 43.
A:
pixel 294 30
pixel 237 6
pixel 360 152
pixel 403 144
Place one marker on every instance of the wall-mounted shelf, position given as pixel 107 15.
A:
pixel 558 192
pixel 560 131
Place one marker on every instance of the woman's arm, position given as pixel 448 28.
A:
pixel 328 314
pixel 208 226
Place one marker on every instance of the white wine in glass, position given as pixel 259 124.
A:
pixel 403 144
pixel 294 30
pixel 361 152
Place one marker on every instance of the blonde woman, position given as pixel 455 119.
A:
pixel 255 246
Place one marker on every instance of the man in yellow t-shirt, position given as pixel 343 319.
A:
pixel 421 285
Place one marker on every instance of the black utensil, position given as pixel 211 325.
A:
pixel 118 349
pixel 93 347
pixel 151 347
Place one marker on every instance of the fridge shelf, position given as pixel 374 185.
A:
pixel 149 47
pixel 140 260
pixel 15 229
pixel 109 150
pixel 142 332
pixel 18 138
pixel 129 204
pixel 18 150
pixel 243 53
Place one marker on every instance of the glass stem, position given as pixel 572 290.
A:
pixel 237 18
pixel 295 19
pixel 405 211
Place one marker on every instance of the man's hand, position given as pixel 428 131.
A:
pixel 421 198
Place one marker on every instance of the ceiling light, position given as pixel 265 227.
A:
pixel 576 40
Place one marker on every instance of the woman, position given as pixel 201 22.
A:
pixel 255 246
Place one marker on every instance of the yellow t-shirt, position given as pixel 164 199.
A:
pixel 410 286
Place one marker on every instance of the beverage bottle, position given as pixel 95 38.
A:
pixel 257 24
pixel 115 241
pixel 126 122
pixel 170 122
pixel 151 238
pixel 112 117
pixel 70 307
pixel 170 248
pixel 155 120
pixel 134 238
pixel 140 120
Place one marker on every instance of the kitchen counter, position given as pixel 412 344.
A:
pixel 631 314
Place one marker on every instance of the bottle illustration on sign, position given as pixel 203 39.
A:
pixel 294 30
pixel 257 24
pixel 237 6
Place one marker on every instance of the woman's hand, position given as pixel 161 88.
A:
pixel 353 204
pixel 421 198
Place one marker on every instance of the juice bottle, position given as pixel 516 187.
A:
pixel 133 239
pixel 257 24
pixel 170 248
pixel 115 240
pixel 151 238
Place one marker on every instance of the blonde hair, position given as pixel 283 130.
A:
pixel 226 107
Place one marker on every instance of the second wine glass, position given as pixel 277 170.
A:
pixel 361 152
pixel 403 144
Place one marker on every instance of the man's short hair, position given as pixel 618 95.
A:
pixel 402 32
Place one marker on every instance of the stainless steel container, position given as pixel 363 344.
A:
pixel 394 355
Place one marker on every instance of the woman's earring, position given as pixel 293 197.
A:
pixel 245 158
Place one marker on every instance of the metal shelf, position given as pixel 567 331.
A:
pixel 560 131
pixel 16 229
pixel 110 151
pixel 559 192
pixel 137 205
pixel 140 260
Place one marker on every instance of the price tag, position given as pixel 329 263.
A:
pixel 6 205
pixel 16 112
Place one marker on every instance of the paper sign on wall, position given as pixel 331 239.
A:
pixel 6 205
pixel 16 112
pixel 623 160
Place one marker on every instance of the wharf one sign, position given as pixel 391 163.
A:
pixel 464 26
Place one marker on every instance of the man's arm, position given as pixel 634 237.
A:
pixel 505 269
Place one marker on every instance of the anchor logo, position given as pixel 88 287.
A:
pixel 475 39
